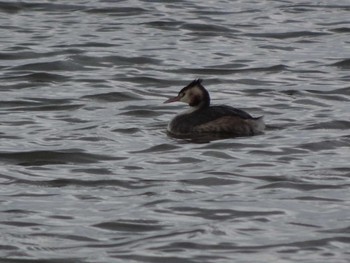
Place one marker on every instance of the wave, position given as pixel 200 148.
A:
pixel 47 157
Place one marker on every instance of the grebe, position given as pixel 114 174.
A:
pixel 202 119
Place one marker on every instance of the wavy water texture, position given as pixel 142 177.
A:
pixel 88 173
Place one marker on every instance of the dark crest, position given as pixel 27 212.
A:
pixel 196 82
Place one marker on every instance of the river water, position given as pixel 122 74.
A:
pixel 88 173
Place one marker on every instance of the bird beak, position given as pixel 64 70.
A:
pixel 177 98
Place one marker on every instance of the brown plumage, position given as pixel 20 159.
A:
pixel 205 119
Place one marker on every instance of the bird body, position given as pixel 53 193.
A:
pixel 202 118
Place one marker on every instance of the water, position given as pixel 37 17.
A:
pixel 88 173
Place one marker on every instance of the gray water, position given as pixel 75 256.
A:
pixel 88 173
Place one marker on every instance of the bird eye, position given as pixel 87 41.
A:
pixel 182 94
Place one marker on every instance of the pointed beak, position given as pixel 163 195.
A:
pixel 177 98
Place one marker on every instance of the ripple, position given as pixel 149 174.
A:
pixel 308 245
pixel 288 35
pixel 53 157
pixel 220 214
pixel 114 60
pixel 325 145
pixel 25 6
pixel 26 55
pixel 42 77
pixel 37 104
pixel 227 71
pixel 210 181
pixel 128 130
pixel 44 260
pixel 164 25
pixel 141 113
pixel 64 237
pixel 113 96
pixel 207 28
pixel 298 186
pixel 19 224
pixel 337 230
pixel 335 124
pixel 50 66
pixel 118 11
pixel 71 182
pixel 131 225
pixel 316 198
pixel 158 148
pixel 344 64
pixel 219 155
pixel 342 91
pixel 341 30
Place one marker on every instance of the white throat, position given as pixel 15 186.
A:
pixel 190 110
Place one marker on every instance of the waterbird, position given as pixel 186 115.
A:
pixel 205 119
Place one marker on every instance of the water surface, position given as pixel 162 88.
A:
pixel 88 173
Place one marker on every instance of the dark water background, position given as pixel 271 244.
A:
pixel 88 173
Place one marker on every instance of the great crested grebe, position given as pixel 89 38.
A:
pixel 203 119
